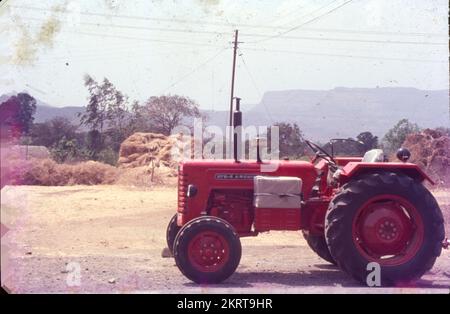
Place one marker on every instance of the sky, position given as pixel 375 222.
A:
pixel 150 48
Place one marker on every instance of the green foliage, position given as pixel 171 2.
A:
pixel 368 139
pixel 395 137
pixel 17 114
pixel 164 113
pixel 345 147
pixel 108 156
pixel 64 150
pixel 138 121
pixel 363 142
pixel 93 144
pixel 95 115
pixel 49 133
pixel 107 108
pixel 291 142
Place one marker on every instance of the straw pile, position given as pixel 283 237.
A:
pixel 49 173
pixel 430 149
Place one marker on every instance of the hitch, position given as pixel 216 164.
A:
pixel 445 243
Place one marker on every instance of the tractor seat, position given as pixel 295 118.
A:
pixel 373 155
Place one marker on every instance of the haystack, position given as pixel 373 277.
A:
pixel 147 149
pixel 49 173
pixel 430 149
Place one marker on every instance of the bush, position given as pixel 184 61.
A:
pixel 108 156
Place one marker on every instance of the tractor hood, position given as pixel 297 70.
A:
pixel 252 165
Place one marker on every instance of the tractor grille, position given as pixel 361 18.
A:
pixel 182 189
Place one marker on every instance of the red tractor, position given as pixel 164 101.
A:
pixel 351 210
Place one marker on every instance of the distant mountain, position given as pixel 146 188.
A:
pixel 345 112
pixel 45 112
pixel 324 114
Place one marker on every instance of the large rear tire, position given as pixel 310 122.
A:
pixel 207 250
pixel 318 244
pixel 387 218
pixel 171 232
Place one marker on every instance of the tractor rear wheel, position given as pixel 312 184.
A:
pixel 318 244
pixel 207 250
pixel 171 232
pixel 386 218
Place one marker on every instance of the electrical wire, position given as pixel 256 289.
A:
pixel 310 13
pixel 196 32
pixel 206 23
pixel 197 44
pixel 305 23
pixel 241 55
pixel 194 70
pixel 345 56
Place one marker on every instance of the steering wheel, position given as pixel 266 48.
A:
pixel 320 153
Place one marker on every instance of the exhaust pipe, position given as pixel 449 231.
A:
pixel 237 127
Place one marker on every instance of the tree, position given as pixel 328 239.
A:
pixel 64 149
pixel 368 139
pixel 94 144
pixel 107 108
pixel 95 114
pixel 117 115
pixel 345 147
pixel 17 114
pixel 291 142
pixel 138 121
pixel 166 112
pixel 395 137
pixel 116 106
pixel 52 131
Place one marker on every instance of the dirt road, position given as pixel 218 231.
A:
pixel 109 239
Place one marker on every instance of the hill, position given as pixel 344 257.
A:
pixel 324 114
pixel 344 112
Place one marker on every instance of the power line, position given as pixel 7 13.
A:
pixel 305 23
pixel 255 86
pixel 313 12
pixel 240 25
pixel 195 69
pixel 104 56
pixel 365 32
pixel 295 11
pixel 260 35
pixel 351 40
pixel 197 44
pixel 133 17
pixel 159 29
pixel 344 56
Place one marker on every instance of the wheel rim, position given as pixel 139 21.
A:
pixel 388 230
pixel 208 251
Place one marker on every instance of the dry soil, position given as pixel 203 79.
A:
pixel 109 239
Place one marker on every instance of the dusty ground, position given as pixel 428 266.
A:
pixel 113 236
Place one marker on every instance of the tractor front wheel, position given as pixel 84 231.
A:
pixel 171 232
pixel 385 218
pixel 207 250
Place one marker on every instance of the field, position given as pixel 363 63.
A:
pixel 110 238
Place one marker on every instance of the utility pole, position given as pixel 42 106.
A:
pixel 232 76
pixel 232 88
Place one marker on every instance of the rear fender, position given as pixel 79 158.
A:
pixel 353 169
